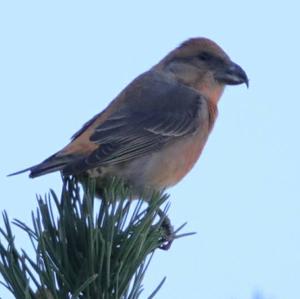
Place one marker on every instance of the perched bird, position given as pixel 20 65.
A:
pixel 154 131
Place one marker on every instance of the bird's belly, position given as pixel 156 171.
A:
pixel 166 167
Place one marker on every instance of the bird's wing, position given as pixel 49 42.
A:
pixel 154 112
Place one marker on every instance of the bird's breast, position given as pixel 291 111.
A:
pixel 168 167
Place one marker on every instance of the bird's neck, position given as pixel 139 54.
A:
pixel 212 113
pixel 210 89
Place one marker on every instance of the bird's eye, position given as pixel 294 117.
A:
pixel 204 56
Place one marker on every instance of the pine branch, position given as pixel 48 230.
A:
pixel 83 251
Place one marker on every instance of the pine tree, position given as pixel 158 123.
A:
pixel 85 248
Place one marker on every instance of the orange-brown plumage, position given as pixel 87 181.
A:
pixel 154 131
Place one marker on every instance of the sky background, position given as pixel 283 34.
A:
pixel 61 62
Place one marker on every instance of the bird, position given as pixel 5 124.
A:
pixel 151 135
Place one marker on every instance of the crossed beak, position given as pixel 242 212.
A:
pixel 232 74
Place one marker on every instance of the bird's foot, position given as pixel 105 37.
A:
pixel 167 231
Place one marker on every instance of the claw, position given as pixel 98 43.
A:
pixel 168 231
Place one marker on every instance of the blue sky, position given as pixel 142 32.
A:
pixel 61 62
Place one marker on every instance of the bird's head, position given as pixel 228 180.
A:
pixel 202 64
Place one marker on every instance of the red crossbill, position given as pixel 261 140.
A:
pixel 154 131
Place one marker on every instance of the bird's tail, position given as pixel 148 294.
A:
pixel 52 164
